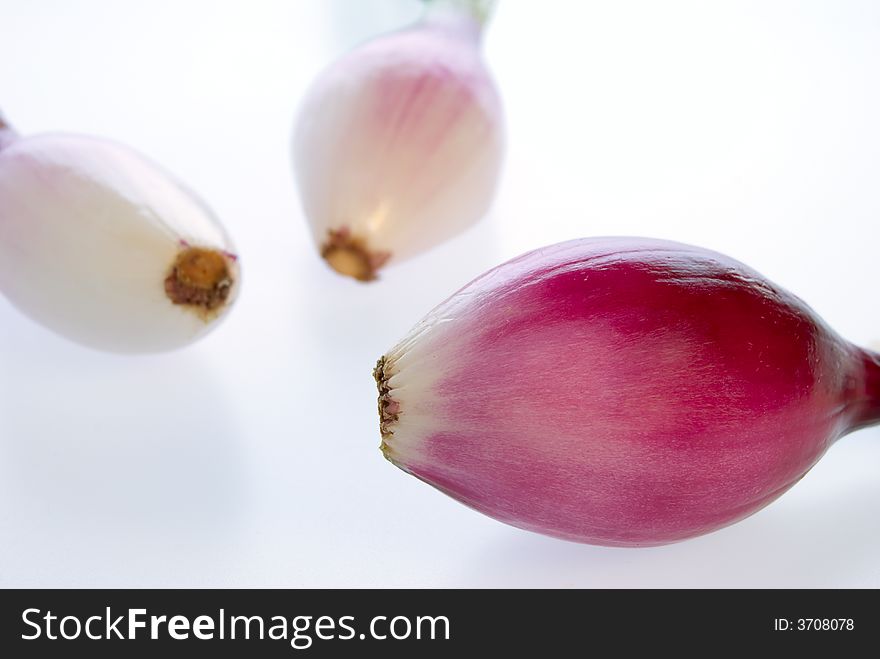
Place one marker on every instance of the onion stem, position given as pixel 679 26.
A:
pixel 869 412
pixel 480 10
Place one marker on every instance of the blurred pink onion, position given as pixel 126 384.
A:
pixel 621 391
pixel 398 145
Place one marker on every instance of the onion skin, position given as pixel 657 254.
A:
pixel 621 391
pixel 399 144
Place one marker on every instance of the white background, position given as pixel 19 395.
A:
pixel 251 459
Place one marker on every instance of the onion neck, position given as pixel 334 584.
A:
pixel 465 16
pixel 867 412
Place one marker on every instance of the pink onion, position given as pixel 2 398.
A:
pixel 621 391
pixel 399 143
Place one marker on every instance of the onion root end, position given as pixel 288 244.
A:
pixel 200 279
pixel 350 256
pixel 389 408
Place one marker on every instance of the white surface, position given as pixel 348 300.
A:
pixel 251 458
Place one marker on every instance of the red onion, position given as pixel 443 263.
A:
pixel 621 391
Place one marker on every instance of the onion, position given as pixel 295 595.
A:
pixel 398 144
pixel 621 391
pixel 101 246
